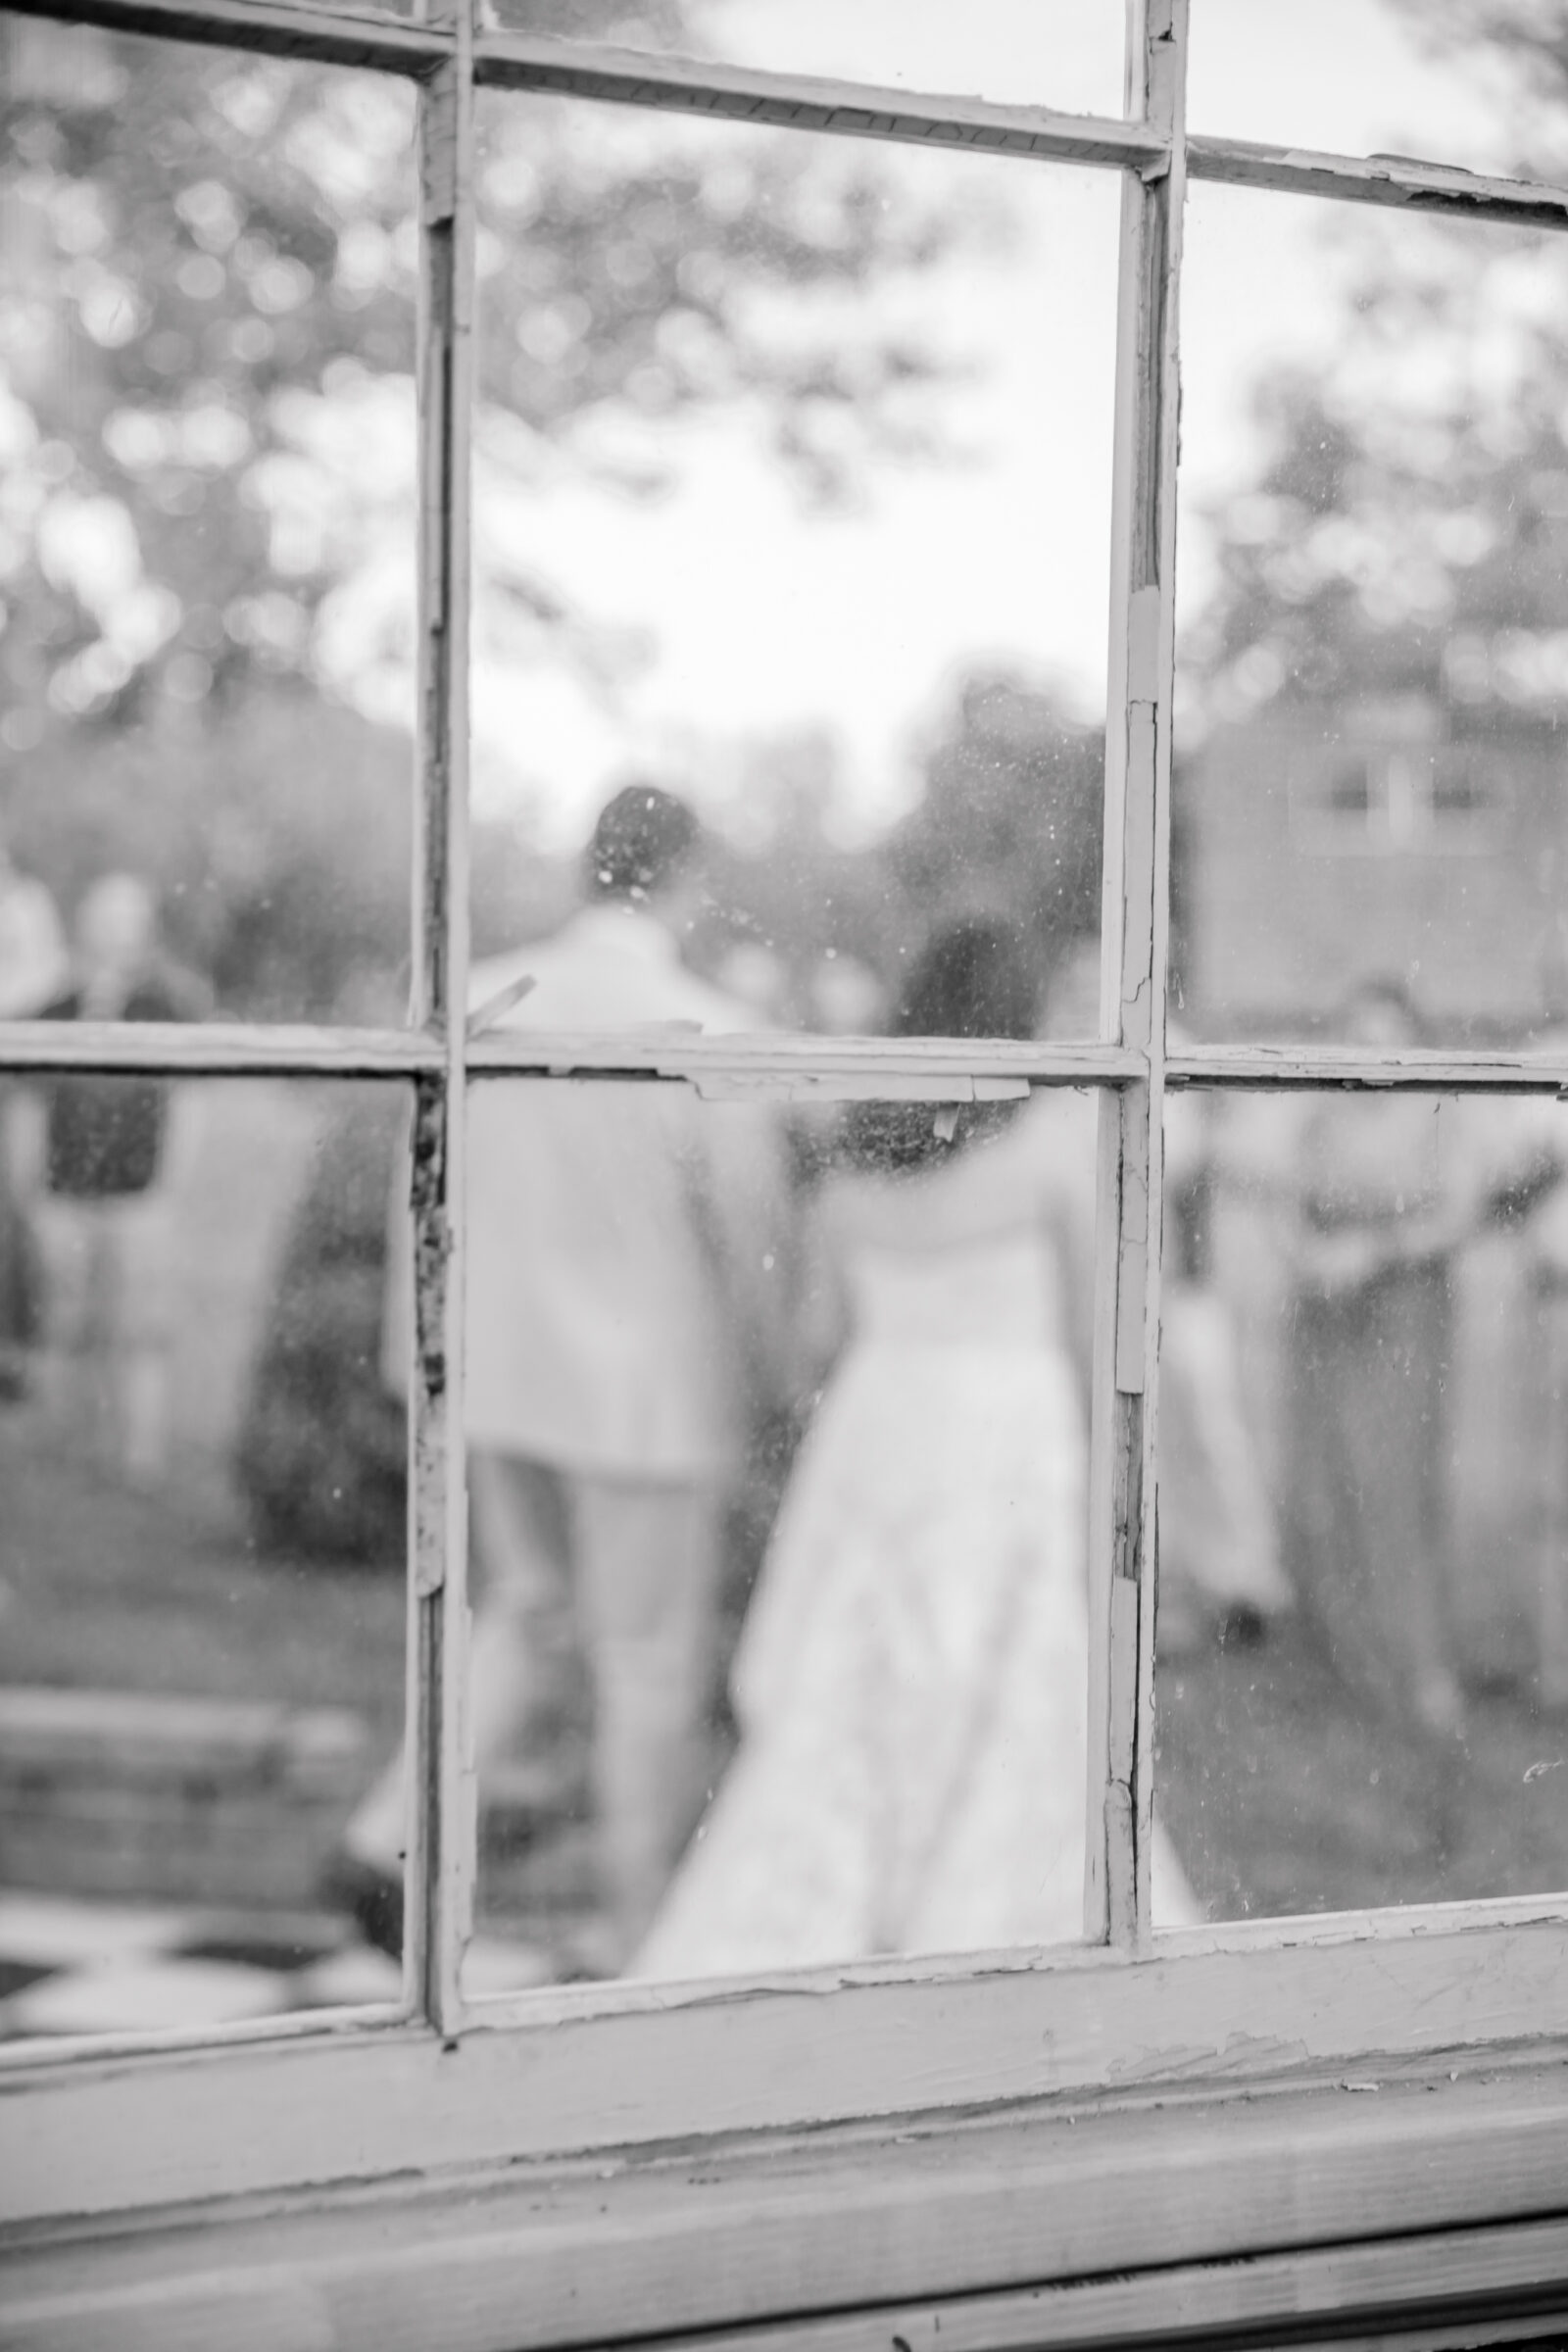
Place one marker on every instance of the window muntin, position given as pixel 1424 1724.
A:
pixel 1145 543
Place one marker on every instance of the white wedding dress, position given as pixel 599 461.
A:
pixel 911 1683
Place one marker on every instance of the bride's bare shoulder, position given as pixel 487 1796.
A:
pixel 988 1187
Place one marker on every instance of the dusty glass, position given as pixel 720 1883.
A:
pixel 777 1453
pixel 790 500
pixel 1053 53
pixel 207 508
pixel 202 1548
pixel 1362 1629
pixel 1373 664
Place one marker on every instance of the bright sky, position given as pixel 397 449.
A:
pixel 764 616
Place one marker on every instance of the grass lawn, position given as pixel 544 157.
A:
pixel 1281 1796
pixel 116 1591
pixel 120 1592
pixel 1278 1793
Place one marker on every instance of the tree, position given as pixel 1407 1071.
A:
pixel 1523 47
pixel 1008 823
pixel 206 398
pixel 1406 535
pixel 1011 818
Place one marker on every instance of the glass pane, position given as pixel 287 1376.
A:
pixel 1483 88
pixel 777 1465
pixel 202 1547
pixel 206 511
pixel 788 502
pixel 1363 1615
pixel 1373 623
pixel 1064 53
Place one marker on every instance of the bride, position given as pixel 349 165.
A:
pixel 911 1685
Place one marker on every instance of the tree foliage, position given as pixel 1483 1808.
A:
pixel 207 434
pixel 1523 45
pixel 1408 533
pixel 1011 818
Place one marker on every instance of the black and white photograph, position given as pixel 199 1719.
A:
pixel 783 1175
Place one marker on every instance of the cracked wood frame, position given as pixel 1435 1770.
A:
pixel 442 1795
pixel 1140 690
pixel 359 2096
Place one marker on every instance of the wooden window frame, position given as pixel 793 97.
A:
pixel 1026 2149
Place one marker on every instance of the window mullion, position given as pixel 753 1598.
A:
pixel 442 1808
pixel 1134 921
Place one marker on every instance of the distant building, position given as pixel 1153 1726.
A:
pixel 1316 845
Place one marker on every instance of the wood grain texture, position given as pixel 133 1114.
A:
pixel 1048 2226
pixel 112 2136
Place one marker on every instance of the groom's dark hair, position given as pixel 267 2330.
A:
pixel 643 838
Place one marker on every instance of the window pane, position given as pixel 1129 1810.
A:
pixel 777 1465
pixel 1486 89
pixel 787 501
pixel 206 504
pixel 201 1548
pixel 1374 627
pixel 1058 53
pixel 1363 1613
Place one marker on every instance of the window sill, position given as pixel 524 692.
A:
pixel 1441 2194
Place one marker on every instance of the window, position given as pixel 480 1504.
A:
pixel 1400 797
pixel 1028 2146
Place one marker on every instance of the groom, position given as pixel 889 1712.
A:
pixel 624 1241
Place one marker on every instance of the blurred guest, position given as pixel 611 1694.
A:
pixel 34 967
pixel 34 958
pixel 754 975
pixel 1543 1243
pixel 1072 1002
pixel 845 997
pixel 1383 1206
pixel 1218 1544
pixel 623 1255
pixel 911 1683
pixel 1531 1135
pixel 106 1218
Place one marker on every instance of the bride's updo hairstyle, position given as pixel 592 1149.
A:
pixel 975 979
